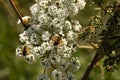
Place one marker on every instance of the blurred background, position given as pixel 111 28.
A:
pixel 14 68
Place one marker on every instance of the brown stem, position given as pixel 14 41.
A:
pixel 90 67
pixel 18 14
pixel 16 10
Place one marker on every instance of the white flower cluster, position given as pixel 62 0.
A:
pixel 52 36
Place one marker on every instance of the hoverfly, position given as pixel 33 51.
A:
pixel 26 20
pixel 56 40
pixel 25 50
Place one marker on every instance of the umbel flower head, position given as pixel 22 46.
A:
pixel 52 36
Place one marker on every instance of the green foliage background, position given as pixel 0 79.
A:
pixel 14 68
